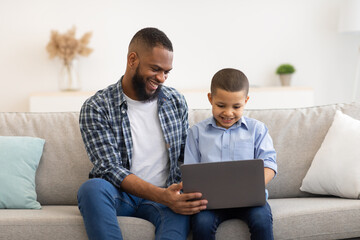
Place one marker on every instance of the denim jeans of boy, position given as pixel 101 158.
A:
pixel 259 220
pixel 100 203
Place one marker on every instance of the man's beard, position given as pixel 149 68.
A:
pixel 139 84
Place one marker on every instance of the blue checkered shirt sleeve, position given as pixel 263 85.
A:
pixel 101 138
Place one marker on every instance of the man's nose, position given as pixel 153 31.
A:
pixel 161 77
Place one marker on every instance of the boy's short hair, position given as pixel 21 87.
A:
pixel 150 38
pixel 231 80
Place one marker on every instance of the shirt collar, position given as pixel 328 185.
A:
pixel 121 93
pixel 163 95
pixel 241 123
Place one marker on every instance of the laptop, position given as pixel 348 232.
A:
pixel 230 184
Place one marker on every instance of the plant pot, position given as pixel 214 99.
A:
pixel 285 79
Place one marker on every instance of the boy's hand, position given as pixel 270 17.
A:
pixel 185 203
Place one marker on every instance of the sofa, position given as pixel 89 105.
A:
pixel 297 135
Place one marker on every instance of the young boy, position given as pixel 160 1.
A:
pixel 226 136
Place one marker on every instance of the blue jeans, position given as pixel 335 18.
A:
pixel 100 203
pixel 259 220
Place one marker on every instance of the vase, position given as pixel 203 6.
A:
pixel 69 76
pixel 285 79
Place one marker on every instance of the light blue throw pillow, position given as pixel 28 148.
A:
pixel 19 159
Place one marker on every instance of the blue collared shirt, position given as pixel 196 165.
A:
pixel 246 139
pixel 105 129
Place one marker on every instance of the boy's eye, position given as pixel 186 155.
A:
pixel 237 107
pixel 220 106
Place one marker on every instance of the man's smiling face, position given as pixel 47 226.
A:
pixel 151 72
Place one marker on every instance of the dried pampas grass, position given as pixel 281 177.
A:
pixel 67 47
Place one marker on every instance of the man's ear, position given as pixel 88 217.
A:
pixel 132 60
pixel 210 98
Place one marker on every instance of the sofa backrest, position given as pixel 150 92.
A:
pixel 297 135
pixel 64 165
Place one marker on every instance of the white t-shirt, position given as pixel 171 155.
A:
pixel 150 160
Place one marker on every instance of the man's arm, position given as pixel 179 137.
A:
pixel 170 196
pixel 100 143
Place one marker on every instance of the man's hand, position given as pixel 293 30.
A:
pixel 185 203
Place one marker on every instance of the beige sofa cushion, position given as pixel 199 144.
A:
pixel 294 218
pixel 62 223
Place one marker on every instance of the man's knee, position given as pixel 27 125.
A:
pixel 93 189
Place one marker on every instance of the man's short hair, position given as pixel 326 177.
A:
pixel 150 38
pixel 231 80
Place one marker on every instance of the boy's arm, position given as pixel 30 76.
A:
pixel 264 149
pixel 269 174
pixel 191 154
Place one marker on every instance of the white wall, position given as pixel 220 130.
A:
pixel 252 35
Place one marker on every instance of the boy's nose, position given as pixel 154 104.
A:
pixel 227 113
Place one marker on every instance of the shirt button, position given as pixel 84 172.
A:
pixel 123 111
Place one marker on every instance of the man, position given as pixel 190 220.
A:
pixel 134 133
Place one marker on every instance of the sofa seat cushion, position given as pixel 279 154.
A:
pixel 294 218
pixel 304 218
pixel 61 223
pixel 315 218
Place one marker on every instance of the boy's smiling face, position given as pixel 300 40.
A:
pixel 227 107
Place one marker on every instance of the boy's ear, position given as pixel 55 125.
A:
pixel 247 99
pixel 210 98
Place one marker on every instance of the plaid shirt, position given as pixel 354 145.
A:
pixel 105 129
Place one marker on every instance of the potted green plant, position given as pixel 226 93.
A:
pixel 285 72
